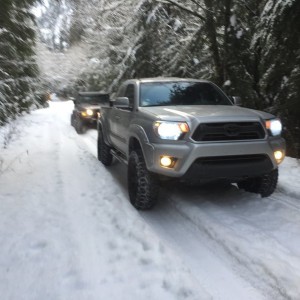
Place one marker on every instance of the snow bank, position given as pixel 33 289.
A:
pixel 67 230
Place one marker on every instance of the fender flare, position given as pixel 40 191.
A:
pixel 136 131
pixel 101 126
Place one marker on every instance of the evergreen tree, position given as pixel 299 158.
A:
pixel 249 48
pixel 278 38
pixel 18 70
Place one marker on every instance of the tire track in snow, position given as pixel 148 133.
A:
pixel 287 200
pixel 268 282
pixel 206 218
pixel 84 223
pixel 84 275
pixel 229 284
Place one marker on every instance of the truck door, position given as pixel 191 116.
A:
pixel 114 120
pixel 125 116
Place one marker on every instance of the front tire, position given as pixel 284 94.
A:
pixel 264 185
pixel 72 120
pixel 79 126
pixel 143 186
pixel 104 154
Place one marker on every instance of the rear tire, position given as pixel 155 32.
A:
pixel 264 185
pixel 143 186
pixel 104 154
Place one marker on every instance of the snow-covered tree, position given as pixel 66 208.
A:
pixel 18 69
pixel 278 39
pixel 249 48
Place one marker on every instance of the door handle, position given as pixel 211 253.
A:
pixel 117 117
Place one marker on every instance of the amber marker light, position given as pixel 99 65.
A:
pixel 184 127
pixel 268 124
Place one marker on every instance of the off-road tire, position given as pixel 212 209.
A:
pixel 143 186
pixel 79 126
pixel 103 154
pixel 72 120
pixel 264 185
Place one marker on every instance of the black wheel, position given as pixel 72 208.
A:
pixel 72 120
pixel 104 154
pixel 79 126
pixel 143 186
pixel 264 185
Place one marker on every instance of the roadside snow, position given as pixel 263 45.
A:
pixel 289 180
pixel 67 230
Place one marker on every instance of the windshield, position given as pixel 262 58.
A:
pixel 94 99
pixel 181 93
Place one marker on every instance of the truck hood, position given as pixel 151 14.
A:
pixel 205 113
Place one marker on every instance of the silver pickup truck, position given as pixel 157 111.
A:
pixel 188 129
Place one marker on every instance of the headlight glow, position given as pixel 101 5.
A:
pixel 170 130
pixel 166 161
pixel 279 155
pixel 274 126
pixel 89 112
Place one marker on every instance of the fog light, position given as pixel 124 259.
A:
pixel 167 161
pixel 278 156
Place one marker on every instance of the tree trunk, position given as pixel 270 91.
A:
pixel 214 47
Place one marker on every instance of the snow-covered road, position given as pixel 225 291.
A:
pixel 67 230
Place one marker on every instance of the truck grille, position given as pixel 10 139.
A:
pixel 228 131
pixel 236 166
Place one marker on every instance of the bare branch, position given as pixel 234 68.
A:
pixel 201 6
pixel 180 6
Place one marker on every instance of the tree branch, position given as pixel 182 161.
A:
pixel 180 6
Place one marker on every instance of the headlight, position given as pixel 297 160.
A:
pixel 274 126
pixel 87 113
pixel 170 130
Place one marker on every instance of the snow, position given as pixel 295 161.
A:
pixel 59 69
pixel 239 34
pixel 196 61
pixel 227 83
pixel 290 180
pixel 68 231
pixel 177 25
pixel 233 21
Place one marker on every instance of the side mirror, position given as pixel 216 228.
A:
pixel 236 100
pixel 122 102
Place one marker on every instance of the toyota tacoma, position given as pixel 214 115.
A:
pixel 188 129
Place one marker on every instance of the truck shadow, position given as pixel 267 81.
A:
pixel 218 193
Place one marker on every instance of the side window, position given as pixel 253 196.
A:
pixel 130 94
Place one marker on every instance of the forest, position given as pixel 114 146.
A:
pixel 249 48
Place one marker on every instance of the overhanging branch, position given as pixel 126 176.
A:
pixel 180 6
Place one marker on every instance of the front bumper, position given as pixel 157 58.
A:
pixel 89 120
pixel 216 159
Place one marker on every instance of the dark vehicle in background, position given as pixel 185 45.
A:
pixel 86 108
